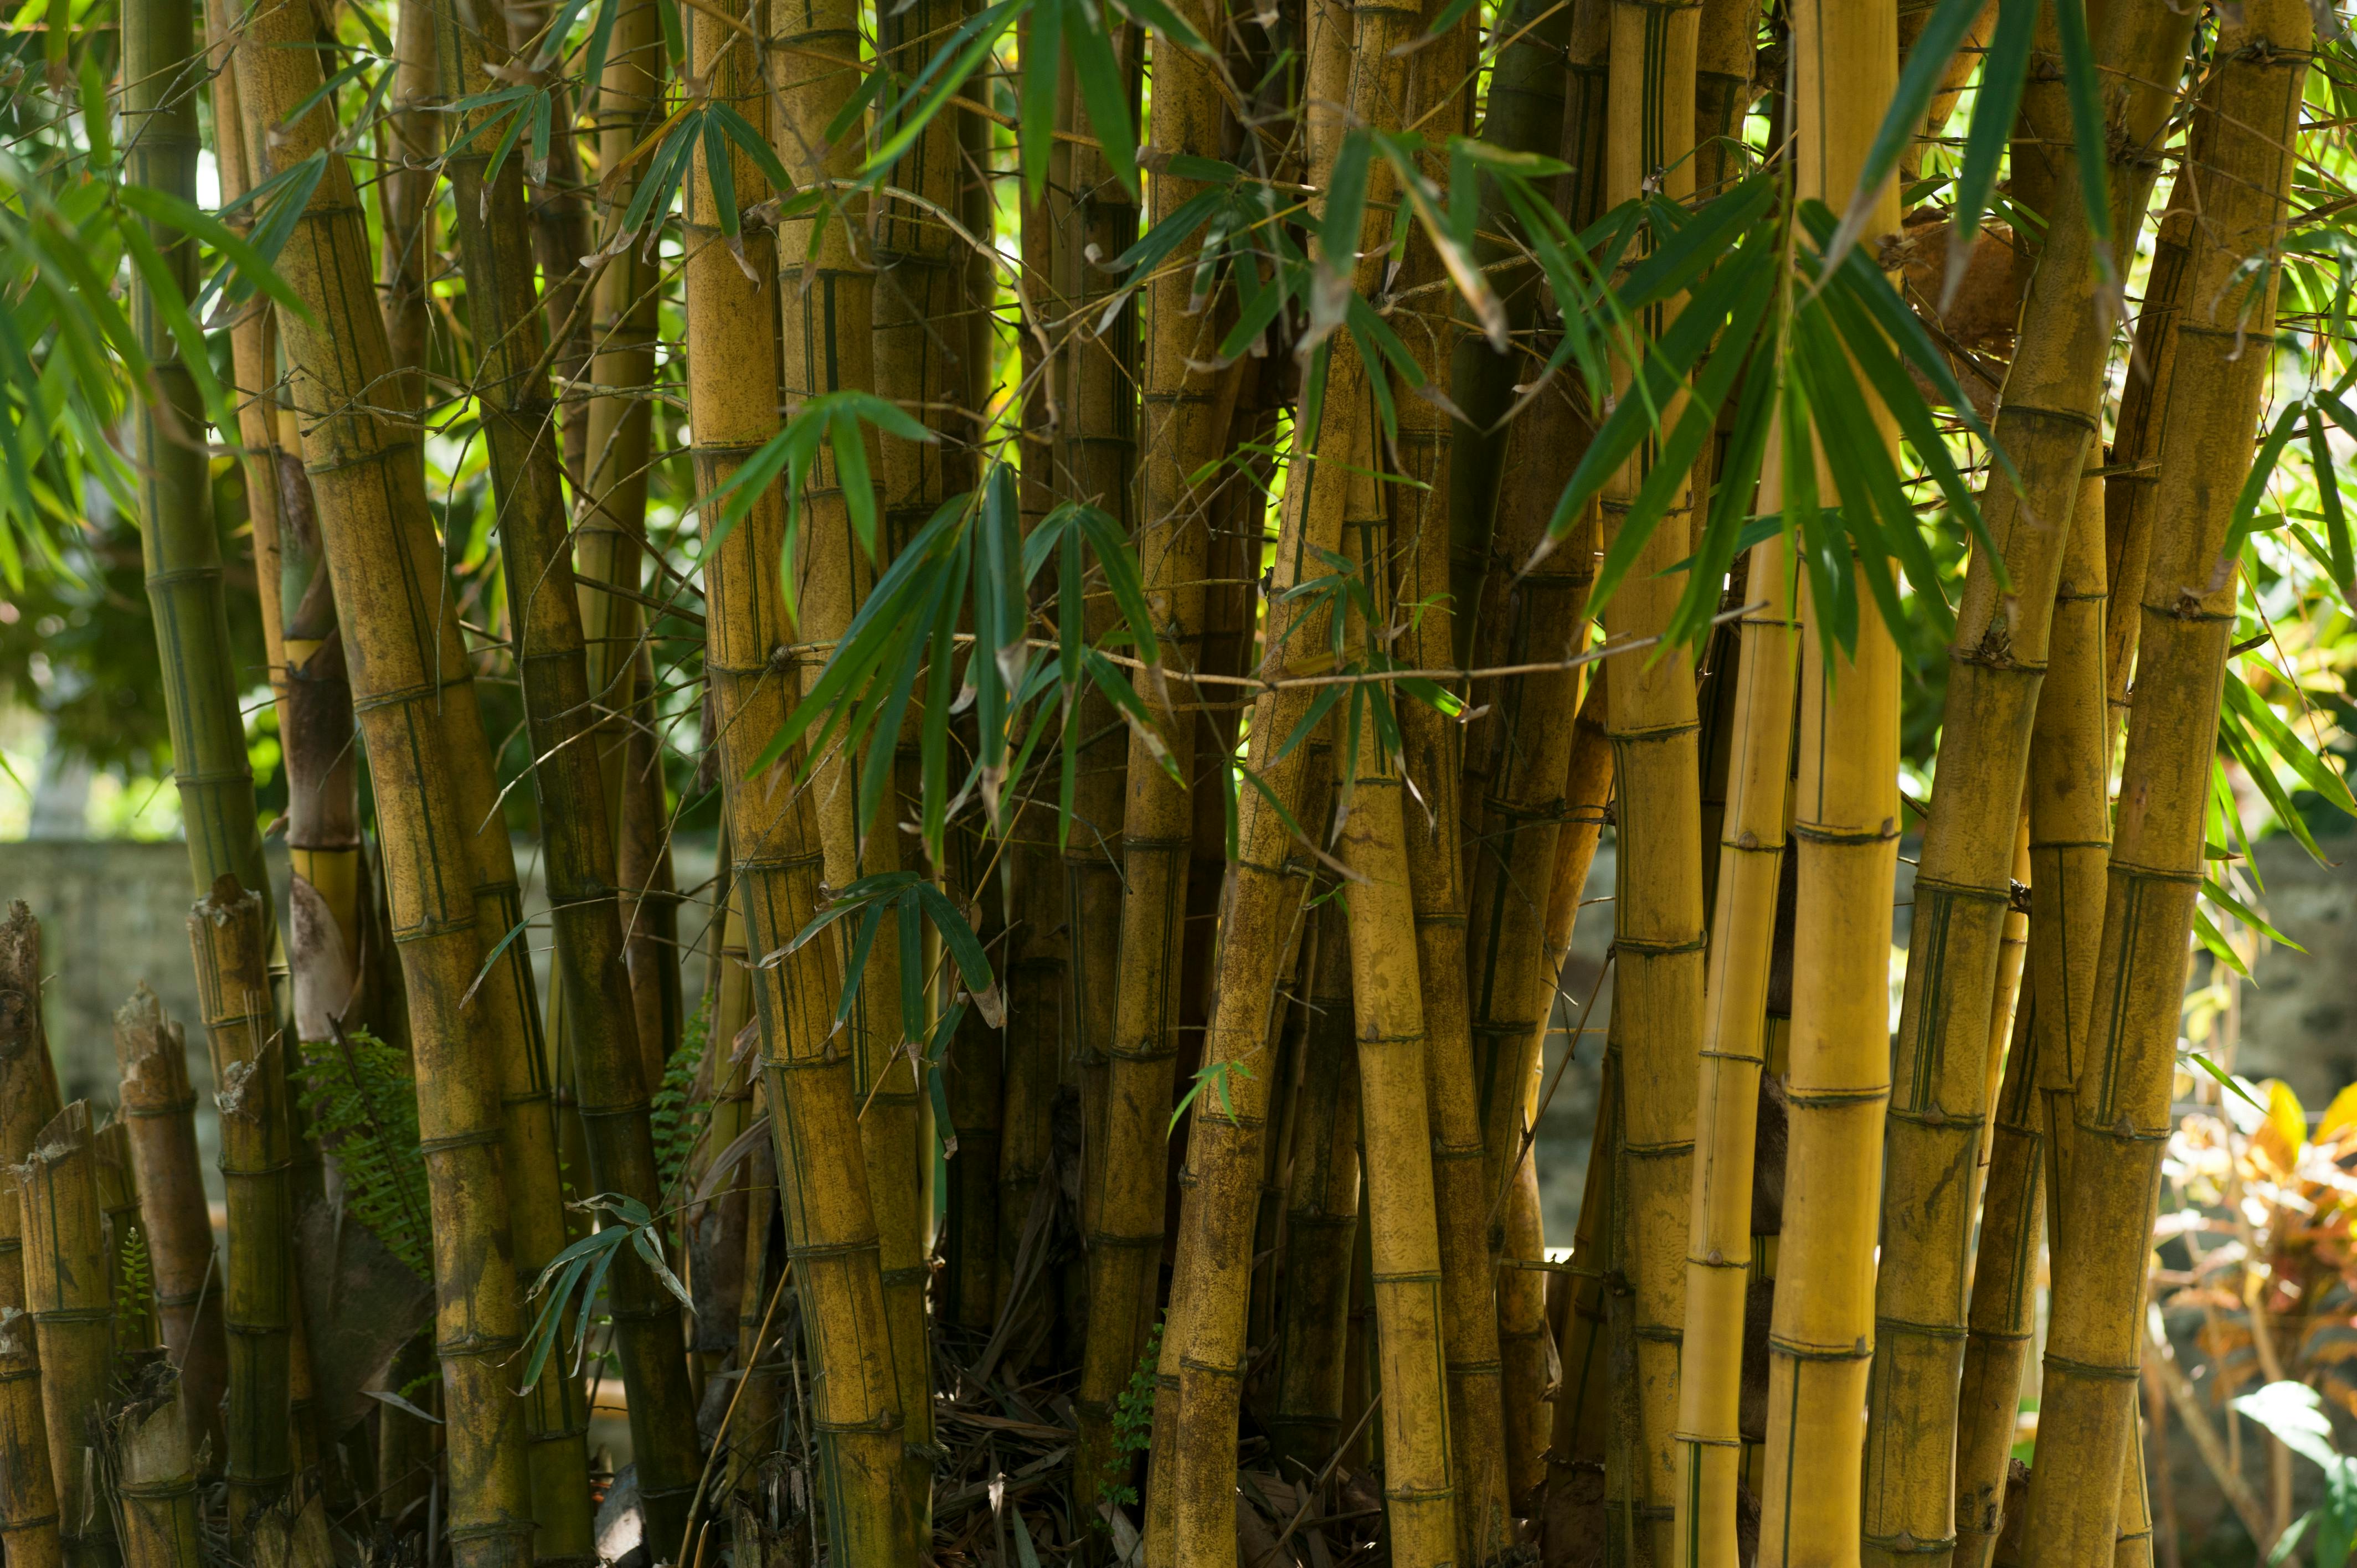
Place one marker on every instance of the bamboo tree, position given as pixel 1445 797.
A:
pixel 66 1293
pixel 1190 1512
pixel 1438 100
pixel 576 844
pixel 430 766
pixel 1718 1249
pixel 1420 1499
pixel 28 1098
pixel 163 68
pixel 828 289
pixel 2001 650
pixel 1845 844
pixel 831 1235
pixel 1186 410
pixel 1321 1222
pixel 229 933
pixel 154 1462
pixel 2120 1101
pixel 411 137
pixel 1658 912
pixel 160 1110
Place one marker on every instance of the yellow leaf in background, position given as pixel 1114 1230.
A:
pixel 2340 1117
pixel 2284 1133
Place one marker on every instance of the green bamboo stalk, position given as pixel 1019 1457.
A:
pixel 577 845
pixel 66 1292
pixel 159 1111
pixel 430 766
pixel 228 932
pixel 162 70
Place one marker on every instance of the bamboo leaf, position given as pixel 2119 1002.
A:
pixel 1103 91
pixel 1043 61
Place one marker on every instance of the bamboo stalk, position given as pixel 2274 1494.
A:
pixel 828 290
pixel 65 1281
pixel 577 844
pixel 410 138
pixel 831 1234
pixel 160 1110
pixel 1322 1221
pixel 1658 915
pixel 154 1453
pixel 126 1237
pixel 2120 1111
pixel 430 768
pixel 2002 649
pixel 2069 794
pixel 28 1098
pixel 180 549
pixel 1189 1511
pixel 1409 1274
pixel 646 889
pixel 1187 411
pixel 1718 1247
pixel 228 932
pixel 1845 844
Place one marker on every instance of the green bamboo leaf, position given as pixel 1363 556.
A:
pixel 245 262
pixel 2217 892
pixel 852 473
pixel 1118 561
pixel 165 298
pixel 720 176
pixel 755 147
pixel 1043 63
pixel 942 76
pixel 282 199
pixel 2254 483
pixel 2336 522
pixel 1683 255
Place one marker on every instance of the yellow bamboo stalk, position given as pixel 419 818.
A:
pixel 1410 1283
pixel 65 1281
pixel 1718 1247
pixel 1658 914
pixel 1187 413
pixel 410 138
pixel 2002 650
pixel 150 1438
pixel 430 766
pixel 28 1098
pixel 160 1110
pixel 828 288
pixel 734 372
pixel 1845 844
pixel 2120 1102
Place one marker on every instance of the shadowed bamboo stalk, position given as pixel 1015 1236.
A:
pixel 228 932
pixel 2106 1191
pixel 1658 913
pixel 1410 1282
pixel 1718 1247
pixel 66 1292
pixel 160 1110
pixel 430 766
pixel 2069 796
pixel 1190 1509
pixel 2001 652
pixel 1321 1221
pixel 828 289
pixel 578 847
pixel 609 538
pixel 1438 99
pixel 126 1237
pixel 154 1455
pixel 28 1098
pixel 1846 845
pixel 409 141
pixel 774 842
pixel 1187 411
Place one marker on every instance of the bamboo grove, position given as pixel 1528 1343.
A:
pixel 1163 541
